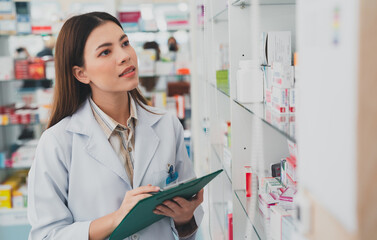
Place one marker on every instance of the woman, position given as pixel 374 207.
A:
pixel 105 149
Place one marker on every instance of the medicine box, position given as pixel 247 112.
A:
pixel 291 168
pixel 276 47
pixel 282 75
pixel 271 184
pixel 147 65
pixel 267 84
pixel 280 100
pixel 277 214
pixel 222 81
pixel 292 100
pixel 265 201
pixel 5 196
pixel 280 120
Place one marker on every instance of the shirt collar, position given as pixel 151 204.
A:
pixel 133 111
pixel 107 123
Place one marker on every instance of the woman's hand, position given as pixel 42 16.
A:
pixel 102 227
pixel 131 199
pixel 180 209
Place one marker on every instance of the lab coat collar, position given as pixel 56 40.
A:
pixel 146 141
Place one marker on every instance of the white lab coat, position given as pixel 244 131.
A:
pixel 77 177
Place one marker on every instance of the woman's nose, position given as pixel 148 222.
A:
pixel 124 57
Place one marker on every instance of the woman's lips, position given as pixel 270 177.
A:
pixel 128 72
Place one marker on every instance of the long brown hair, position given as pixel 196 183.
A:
pixel 69 93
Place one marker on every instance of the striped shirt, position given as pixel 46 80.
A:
pixel 121 138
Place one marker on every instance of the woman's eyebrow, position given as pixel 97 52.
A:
pixel 109 44
pixel 122 37
pixel 104 45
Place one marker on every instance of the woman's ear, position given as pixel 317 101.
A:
pixel 80 74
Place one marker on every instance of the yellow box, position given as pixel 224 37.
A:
pixel 5 196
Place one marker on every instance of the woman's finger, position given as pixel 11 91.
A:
pixel 165 211
pixel 181 202
pixel 199 197
pixel 144 189
pixel 173 206
pixel 141 196
pixel 158 212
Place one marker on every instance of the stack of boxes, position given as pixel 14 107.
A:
pixel 30 69
pixel 130 20
pixel 11 114
pixel 21 69
pixel 13 191
pixel 15 17
pixel 279 80
pixel 24 156
pixel 276 197
pixel 21 156
pixel 7 17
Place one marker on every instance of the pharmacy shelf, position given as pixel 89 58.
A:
pixel 26 167
pixel 30 83
pixel 285 124
pixel 220 90
pixel 159 31
pixel 221 16
pixel 263 2
pixel 15 34
pixel 14 223
pixel 223 155
pixel 267 115
pixel 219 208
pixel 252 213
pixel 167 75
pixel 23 164
pixel 23 124
pixel 13 217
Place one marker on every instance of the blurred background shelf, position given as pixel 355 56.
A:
pixel 24 124
pixel 29 83
pixel 263 2
pixel 221 16
pixel 14 224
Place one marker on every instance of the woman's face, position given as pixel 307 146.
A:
pixel 110 63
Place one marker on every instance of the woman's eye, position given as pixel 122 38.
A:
pixel 126 43
pixel 104 53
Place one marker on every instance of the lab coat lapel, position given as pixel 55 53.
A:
pixel 98 147
pixel 146 143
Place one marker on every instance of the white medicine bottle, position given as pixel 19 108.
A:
pixel 249 82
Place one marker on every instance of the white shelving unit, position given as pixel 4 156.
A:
pixel 336 46
pixel 255 140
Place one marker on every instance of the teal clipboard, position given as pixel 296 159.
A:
pixel 141 216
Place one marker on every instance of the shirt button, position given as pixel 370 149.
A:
pixel 129 149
